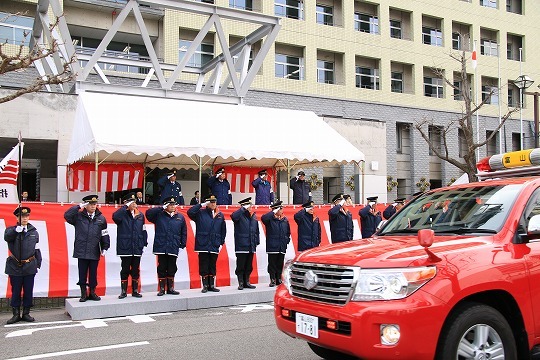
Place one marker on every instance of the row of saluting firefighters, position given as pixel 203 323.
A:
pixel 92 241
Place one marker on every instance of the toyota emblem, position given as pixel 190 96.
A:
pixel 310 280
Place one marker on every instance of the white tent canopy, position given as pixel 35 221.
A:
pixel 187 134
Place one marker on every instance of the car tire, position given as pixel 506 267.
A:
pixel 458 340
pixel 329 354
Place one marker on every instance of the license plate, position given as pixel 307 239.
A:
pixel 307 325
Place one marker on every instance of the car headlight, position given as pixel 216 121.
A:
pixel 391 284
pixel 287 271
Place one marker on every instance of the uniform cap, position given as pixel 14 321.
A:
pixel 91 199
pixel 277 205
pixel 400 200
pixel 246 201
pixel 309 204
pixel 220 170
pixel 372 198
pixel 262 172
pixel 24 210
pixel 129 197
pixel 169 200
pixel 301 173
pixel 171 174
pixel 337 197
pixel 346 196
pixel 417 193
pixel 210 198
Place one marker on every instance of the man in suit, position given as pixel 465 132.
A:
pixel 139 198
pixel 195 200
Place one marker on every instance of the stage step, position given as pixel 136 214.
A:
pixel 150 303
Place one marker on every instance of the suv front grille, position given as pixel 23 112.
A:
pixel 334 283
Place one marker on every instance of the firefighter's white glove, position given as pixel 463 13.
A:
pixel 19 229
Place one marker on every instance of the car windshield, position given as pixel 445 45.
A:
pixel 465 210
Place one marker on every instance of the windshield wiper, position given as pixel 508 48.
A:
pixel 465 230
pixel 400 231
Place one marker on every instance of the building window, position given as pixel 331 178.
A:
pixel 432 36
pixel 289 8
pixel 491 146
pixel 490 94
pixel 488 47
pixel 516 141
pixel 366 23
pixel 462 144
pixel 15 29
pixel 513 96
pixel 397 82
pixel 367 78
pixel 325 72
pixel 457 90
pixel 489 3
pixel 456 41
pixel 434 135
pixel 203 53
pixel 395 29
pixel 433 87
pixel 325 15
pixel 289 67
pixel 241 4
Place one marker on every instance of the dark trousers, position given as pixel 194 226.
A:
pixel 275 264
pixel 24 283
pixel 166 266
pixel 244 265
pixel 88 270
pixel 207 263
pixel 130 266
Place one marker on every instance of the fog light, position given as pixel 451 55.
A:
pixel 331 324
pixel 390 334
pixel 285 313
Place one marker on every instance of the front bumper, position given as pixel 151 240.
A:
pixel 419 316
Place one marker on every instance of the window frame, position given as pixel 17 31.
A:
pixel 10 22
pixel 489 44
pixel 286 7
pixel 439 87
pixel 287 65
pixel 394 80
pixel 434 33
pixel 373 77
pixel 326 71
pixel 198 52
pixel 394 28
pixel 325 15
pixel 371 21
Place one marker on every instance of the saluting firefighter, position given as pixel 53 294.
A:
pixel 170 187
pixel 170 236
pixel 278 236
pixel 131 239
pixel 340 219
pixel 246 239
pixel 91 241
pixel 264 195
pixel 219 186
pixel 393 208
pixel 309 227
pixel 23 263
pixel 370 217
pixel 209 237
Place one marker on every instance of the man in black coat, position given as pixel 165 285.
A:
pixel 309 227
pixel 196 199
pixel 340 219
pixel 140 198
pixel 23 263
pixel 246 239
pixel 278 236
pixel 91 241
pixel 301 188
pixel 170 236
pixel 131 238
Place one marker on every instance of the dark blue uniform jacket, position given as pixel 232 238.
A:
pixel 91 235
pixel 169 189
pixel 246 231
pixel 131 237
pixel 210 231
pixel 341 224
pixel 369 222
pixel 22 246
pixel 301 190
pixel 170 231
pixel 263 196
pixel 220 189
pixel 309 230
pixel 278 233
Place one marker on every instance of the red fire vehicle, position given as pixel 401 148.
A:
pixel 455 274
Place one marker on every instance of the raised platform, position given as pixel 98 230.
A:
pixel 150 303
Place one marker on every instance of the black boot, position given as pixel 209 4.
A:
pixel 16 315
pixel 204 280
pixel 211 286
pixel 240 283
pixel 83 294
pixel 135 288
pixel 26 315
pixel 278 279
pixel 247 284
pixel 161 287
pixel 93 296
pixel 170 287
pixel 123 289
pixel 272 280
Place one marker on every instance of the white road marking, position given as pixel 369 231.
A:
pixel 80 351
pixel 251 307
pixel 33 330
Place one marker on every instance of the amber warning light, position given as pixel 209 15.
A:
pixel 509 160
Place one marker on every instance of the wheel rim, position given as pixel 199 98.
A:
pixel 480 342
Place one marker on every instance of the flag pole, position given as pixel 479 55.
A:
pixel 499 97
pixel 19 176
pixel 476 96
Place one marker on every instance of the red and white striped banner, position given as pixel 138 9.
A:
pixel 58 275
pixel 9 171
pixel 240 178
pixel 111 177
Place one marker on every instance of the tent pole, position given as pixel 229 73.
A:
pixel 288 181
pixel 97 175
pixel 362 168
pixel 200 179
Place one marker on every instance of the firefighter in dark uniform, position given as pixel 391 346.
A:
pixel 131 239
pixel 301 188
pixel 278 236
pixel 309 227
pixel 264 195
pixel 246 239
pixel 170 236
pixel 23 263
pixel 393 208
pixel 219 187
pixel 209 237
pixel 370 217
pixel 340 219
pixel 91 241
pixel 170 187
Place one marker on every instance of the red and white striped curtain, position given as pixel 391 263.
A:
pixel 240 178
pixel 111 177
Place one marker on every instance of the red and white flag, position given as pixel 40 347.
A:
pixel 9 171
pixel 473 58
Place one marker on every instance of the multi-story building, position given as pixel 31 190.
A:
pixel 369 68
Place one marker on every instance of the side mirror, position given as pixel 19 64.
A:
pixel 534 225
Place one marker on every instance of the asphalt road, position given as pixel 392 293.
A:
pixel 237 332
